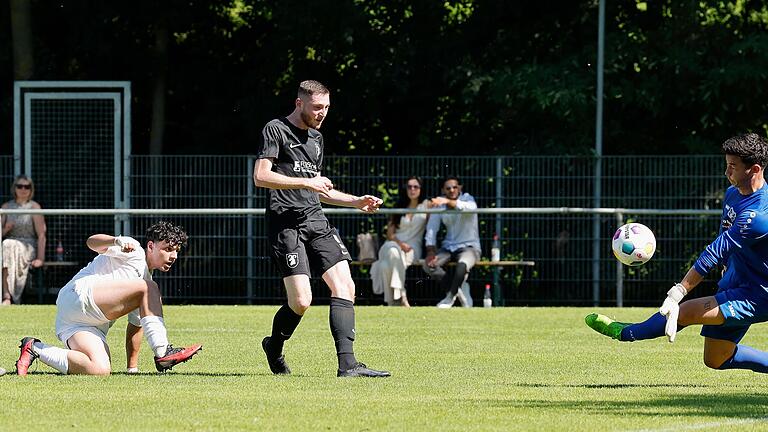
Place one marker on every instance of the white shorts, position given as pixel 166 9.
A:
pixel 76 311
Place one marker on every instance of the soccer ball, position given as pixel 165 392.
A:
pixel 633 244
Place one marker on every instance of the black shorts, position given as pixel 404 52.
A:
pixel 304 246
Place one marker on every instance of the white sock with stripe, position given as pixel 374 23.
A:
pixel 54 357
pixel 156 334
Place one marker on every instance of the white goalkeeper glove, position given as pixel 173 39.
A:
pixel 671 309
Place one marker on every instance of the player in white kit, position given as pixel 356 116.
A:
pixel 117 282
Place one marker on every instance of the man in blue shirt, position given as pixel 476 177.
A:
pixel 742 297
pixel 461 242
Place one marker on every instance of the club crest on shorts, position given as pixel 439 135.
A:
pixel 292 259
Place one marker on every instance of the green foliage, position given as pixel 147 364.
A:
pixel 419 77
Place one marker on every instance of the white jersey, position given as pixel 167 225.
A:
pixel 114 264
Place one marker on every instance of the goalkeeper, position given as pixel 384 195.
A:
pixel 742 297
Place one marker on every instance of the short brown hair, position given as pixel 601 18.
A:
pixel 310 87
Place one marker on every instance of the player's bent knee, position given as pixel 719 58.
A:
pixel 301 305
pixel 715 361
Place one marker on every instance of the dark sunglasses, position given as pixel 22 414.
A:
pixel 413 187
pixel 23 186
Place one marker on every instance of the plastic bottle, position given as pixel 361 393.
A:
pixel 487 301
pixel 59 251
pixel 495 249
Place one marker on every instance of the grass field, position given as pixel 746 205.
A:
pixel 480 369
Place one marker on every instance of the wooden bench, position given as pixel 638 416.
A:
pixel 496 265
pixel 37 277
pixel 482 263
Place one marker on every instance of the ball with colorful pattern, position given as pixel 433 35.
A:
pixel 633 244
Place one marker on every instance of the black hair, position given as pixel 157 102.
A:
pixel 403 200
pixel 751 148
pixel 450 177
pixel 164 230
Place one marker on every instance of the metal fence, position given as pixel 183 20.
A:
pixel 227 259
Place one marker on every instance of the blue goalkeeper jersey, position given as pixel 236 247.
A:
pixel 742 245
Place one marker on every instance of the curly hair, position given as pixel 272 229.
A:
pixel 164 230
pixel 751 148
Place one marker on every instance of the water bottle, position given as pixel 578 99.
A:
pixel 487 301
pixel 59 251
pixel 495 249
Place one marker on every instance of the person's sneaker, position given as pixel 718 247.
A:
pixel 174 356
pixel 361 370
pixel 276 363
pixel 465 296
pixel 447 302
pixel 604 325
pixel 27 355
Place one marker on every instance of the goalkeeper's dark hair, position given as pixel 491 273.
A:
pixel 164 230
pixel 751 148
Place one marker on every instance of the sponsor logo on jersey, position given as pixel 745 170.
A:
pixel 317 150
pixel 291 145
pixel 292 259
pixel 305 167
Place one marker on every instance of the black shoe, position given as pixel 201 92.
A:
pixel 361 370
pixel 276 363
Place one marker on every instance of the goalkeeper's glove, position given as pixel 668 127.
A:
pixel 671 309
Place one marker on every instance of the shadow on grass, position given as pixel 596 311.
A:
pixel 729 404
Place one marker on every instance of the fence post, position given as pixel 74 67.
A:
pixel 619 270
pixel 596 232
pixel 249 263
pixel 498 299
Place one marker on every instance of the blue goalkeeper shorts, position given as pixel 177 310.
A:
pixel 741 308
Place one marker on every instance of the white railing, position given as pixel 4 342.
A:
pixel 618 212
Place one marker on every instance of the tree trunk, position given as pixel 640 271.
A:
pixel 21 33
pixel 156 134
pixel 159 90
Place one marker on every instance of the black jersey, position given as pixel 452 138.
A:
pixel 297 153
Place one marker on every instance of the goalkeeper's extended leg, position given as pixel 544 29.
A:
pixel 605 326
pixel 651 328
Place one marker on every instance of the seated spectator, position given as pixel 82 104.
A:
pixel 461 243
pixel 23 240
pixel 403 245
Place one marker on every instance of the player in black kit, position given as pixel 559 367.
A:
pixel 301 238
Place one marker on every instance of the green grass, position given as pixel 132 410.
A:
pixel 464 370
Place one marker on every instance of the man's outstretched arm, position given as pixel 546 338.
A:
pixel 263 176
pixel 366 203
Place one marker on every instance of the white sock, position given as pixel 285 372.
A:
pixel 154 331
pixel 54 357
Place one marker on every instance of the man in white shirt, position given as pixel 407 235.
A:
pixel 461 243
pixel 117 282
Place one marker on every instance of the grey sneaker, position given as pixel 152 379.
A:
pixel 361 370
pixel 447 302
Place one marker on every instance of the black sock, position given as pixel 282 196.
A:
pixel 283 325
pixel 342 321
pixel 458 277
